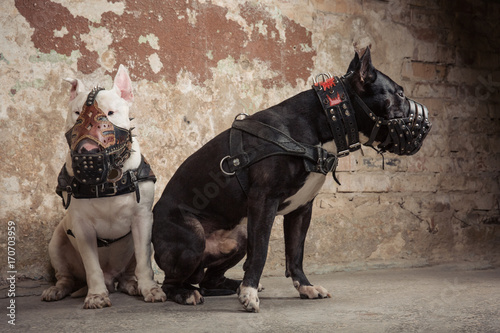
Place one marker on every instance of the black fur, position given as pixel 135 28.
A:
pixel 200 200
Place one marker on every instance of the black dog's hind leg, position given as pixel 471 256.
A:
pixel 214 282
pixel 295 227
pixel 179 253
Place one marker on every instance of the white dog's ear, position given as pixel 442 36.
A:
pixel 77 87
pixel 123 84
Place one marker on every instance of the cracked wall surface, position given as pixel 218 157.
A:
pixel 196 64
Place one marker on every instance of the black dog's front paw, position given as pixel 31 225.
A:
pixel 311 292
pixel 182 295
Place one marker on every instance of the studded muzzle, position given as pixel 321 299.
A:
pixel 111 145
pixel 405 135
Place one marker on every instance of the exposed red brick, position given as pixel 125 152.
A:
pixel 182 45
pixel 88 62
pixel 46 17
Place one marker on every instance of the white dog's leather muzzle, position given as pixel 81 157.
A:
pixel 109 144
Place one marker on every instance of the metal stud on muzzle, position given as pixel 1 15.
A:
pixel 112 145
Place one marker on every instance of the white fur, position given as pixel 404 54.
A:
pixel 79 258
pixel 248 298
pixel 310 189
pixel 305 194
pixel 364 139
pixel 311 291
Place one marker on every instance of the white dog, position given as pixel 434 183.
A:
pixel 108 189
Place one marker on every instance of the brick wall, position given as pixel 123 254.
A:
pixel 452 188
pixel 196 64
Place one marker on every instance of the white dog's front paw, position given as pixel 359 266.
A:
pixel 96 301
pixel 248 298
pixel 154 294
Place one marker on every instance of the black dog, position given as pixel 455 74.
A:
pixel 222 201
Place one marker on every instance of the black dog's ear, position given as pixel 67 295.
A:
pixel 354 63
pixel 367 71
pixel 364 72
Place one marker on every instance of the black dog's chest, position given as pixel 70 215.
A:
pixel 304 195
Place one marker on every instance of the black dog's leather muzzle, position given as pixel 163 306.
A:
pixel 112 142
pixel 405 135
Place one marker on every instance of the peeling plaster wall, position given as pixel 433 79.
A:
pixel 196 64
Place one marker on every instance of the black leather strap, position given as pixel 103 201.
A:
pixel 102 242
pixel 270 134
pixel 340 114
pixel 273 142
pixel 236 148
pixel 105 242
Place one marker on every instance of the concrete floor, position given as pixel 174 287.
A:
pixel 432 299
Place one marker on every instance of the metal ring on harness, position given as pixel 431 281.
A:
pixel 222 169
pixel 242 114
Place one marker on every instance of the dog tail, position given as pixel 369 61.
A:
pixel 82 292
pixel 216 292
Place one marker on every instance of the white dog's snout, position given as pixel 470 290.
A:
pixel 88 146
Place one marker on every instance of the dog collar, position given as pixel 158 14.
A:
pixel 339 111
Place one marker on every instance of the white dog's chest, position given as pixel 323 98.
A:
pixel 109 217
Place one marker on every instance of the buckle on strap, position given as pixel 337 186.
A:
pixel 355 146
pixel 326 162
pixel 343 153
pixel 68 198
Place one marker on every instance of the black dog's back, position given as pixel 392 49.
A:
pixel 196 186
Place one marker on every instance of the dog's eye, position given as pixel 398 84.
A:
pixel 401 94
pixel 110 113
pixel 77 112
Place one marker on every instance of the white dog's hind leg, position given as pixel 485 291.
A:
pixel 127 282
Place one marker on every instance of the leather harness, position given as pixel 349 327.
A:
pixel 338 110
pixel 274 142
